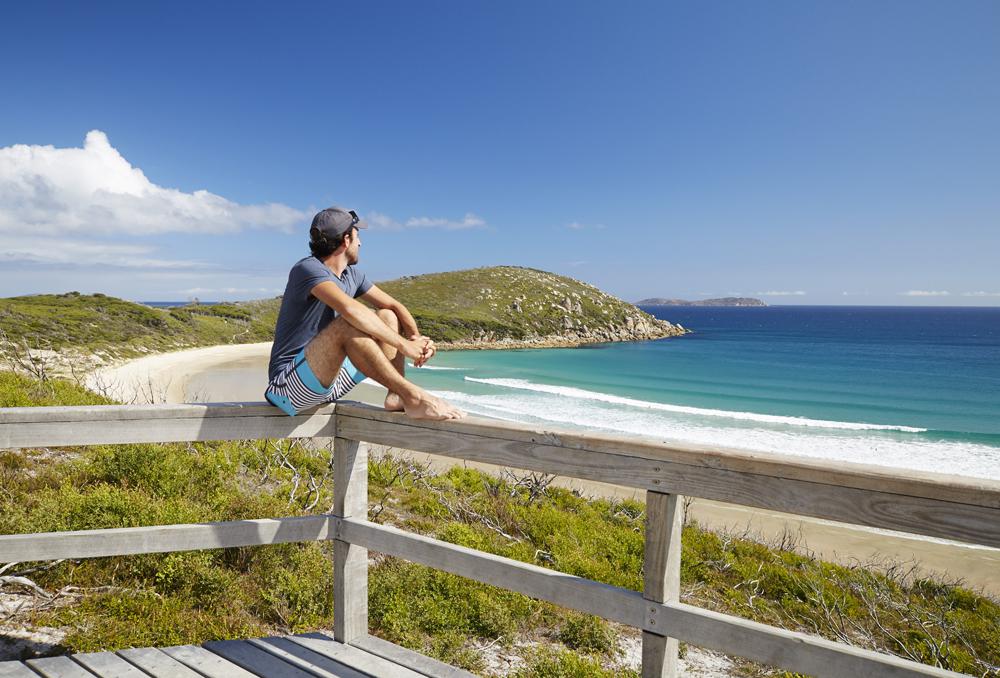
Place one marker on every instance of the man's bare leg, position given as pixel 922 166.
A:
pixel 326 353
pixel 393 402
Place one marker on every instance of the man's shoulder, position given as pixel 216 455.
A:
pixel 309 262
pixel 309 267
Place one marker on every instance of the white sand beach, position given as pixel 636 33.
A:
pixel 238 373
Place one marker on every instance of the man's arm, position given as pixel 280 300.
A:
pixel 363 318
pixel 407 324
pixel 381 299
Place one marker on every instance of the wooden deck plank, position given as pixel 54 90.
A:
pixel 16 670
pixel 354 657
pixel 422 664
pixel 206 663
pixel 108 665
pixel 59 667
pixel 156 663
pixel 257 661
pixel 307 659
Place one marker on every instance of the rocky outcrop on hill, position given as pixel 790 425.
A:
pixel 512 307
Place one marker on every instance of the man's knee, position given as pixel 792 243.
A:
pixel 389 318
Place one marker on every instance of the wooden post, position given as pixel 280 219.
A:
pixel 350 562
pixel 664 520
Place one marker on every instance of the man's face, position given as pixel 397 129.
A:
pixel 353 246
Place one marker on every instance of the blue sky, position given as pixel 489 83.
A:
pixel 802 152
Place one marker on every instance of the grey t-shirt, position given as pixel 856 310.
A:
pixel 303 316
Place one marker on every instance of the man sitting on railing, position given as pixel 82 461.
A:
pixel 323 332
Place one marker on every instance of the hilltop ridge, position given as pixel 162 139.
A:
pixel 511 306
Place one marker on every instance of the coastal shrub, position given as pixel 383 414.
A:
pixel 553 663
pixel 589 633
pixel 411 603
pixel 297 593
pixel 17 390
pixel 136 618
pixel 452 647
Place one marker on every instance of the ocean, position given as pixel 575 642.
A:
pixel 906 387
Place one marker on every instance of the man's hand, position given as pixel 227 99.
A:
pixel 419 349
pixel 429 349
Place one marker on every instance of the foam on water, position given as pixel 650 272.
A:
pixel 582 394
pixel 870 446
pixel 437 367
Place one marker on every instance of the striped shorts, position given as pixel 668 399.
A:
pixel 297 388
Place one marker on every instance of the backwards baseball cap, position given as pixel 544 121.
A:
pixel 335 221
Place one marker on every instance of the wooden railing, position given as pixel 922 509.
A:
pixel 936 505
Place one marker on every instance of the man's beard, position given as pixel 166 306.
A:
pixel 352 259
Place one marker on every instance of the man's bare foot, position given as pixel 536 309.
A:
pixel 429 407
pixel 394 403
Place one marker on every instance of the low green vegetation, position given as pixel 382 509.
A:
pixel 99 323
pixel 228 593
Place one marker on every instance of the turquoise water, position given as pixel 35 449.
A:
pixel 917 388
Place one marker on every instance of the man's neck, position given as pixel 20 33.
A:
pixel 336 263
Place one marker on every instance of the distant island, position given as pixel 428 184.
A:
pixel 723 301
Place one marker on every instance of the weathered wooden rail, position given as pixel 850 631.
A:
pixel 936 505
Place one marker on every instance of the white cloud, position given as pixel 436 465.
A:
pixel 95 191
pixel 384 222
pixel 981 294
pixel 924 293
pixel 779 293
pixel 577 226
pixel 81 253
pixel 272 291
pixel 470 220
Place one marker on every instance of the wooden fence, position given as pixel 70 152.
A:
pixel 935 505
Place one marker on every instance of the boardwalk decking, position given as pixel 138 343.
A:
pixel 303 656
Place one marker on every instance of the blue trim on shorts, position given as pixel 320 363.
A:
pixel 357 375
pixel 307 376
pixel 281 402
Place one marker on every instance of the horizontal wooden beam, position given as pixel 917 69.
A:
pixel 117 413
pixel 970 522
pixel 789 650
pixel 603 600
pixel 732 635
pixel 111 424
pixel 960 489
pixel 163 538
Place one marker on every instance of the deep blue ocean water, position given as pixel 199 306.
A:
pixel 912 387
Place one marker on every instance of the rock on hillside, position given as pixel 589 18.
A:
pixel 509 306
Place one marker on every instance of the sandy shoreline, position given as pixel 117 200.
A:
pixel 176 377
